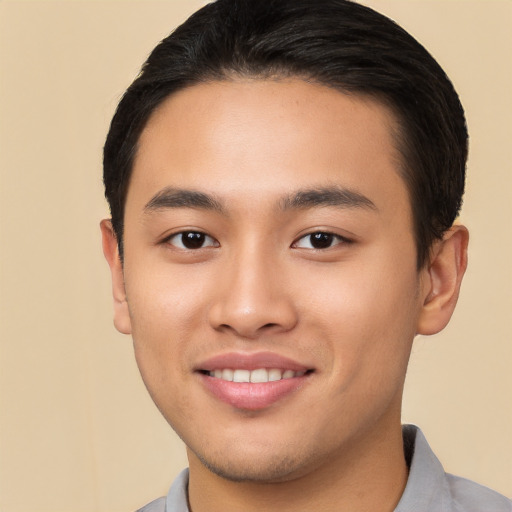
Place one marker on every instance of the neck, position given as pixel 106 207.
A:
pixel 370 475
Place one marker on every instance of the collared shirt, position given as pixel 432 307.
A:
pixel 428 489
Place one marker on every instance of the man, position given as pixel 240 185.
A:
pixel 283 179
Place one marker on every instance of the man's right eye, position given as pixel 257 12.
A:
pixel 189 240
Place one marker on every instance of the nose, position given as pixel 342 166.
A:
pixel 252 298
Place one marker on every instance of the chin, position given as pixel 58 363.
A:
pixel 271 468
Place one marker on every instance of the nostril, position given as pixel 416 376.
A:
pixel 232 313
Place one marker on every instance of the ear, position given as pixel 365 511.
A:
pixel 111 251
pixel 442 280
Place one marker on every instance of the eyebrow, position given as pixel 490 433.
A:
pixel 327 196
pixel 171 197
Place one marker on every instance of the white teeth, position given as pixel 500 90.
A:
pixel 227 374
pixel 260 375
pixel 242 376
pixel 257 376
pixel 274 375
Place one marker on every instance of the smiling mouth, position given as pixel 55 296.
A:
pixel 257 376
pixel 253 381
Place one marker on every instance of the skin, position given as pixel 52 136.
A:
pixel 349 311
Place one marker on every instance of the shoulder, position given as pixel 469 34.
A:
pixel 176 499
pixel 468 496
pixel 429 488
pixel 157 505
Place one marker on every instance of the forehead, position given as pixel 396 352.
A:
pixel 266 137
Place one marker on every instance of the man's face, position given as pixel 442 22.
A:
pixel 268 236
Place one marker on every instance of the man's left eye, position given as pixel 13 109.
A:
pixel 192 240
pixel 319 240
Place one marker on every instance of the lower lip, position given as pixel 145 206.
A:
pixel 252 396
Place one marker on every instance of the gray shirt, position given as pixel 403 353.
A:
pixel 428 489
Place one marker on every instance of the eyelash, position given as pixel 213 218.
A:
pixel 322 236
pixel 199 237
pixel 194 236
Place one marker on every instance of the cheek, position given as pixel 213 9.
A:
pixel 163 301
pixel 164 313
pixel 165 309
pixel 370 317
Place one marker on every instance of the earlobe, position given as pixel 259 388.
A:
pixel 442 280
pixel 111 251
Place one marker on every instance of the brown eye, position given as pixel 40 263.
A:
pixel 191 240
pixel 319 240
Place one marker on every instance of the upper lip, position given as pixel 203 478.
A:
pixel 251 361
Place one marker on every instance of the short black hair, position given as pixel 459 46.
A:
pixel 337 43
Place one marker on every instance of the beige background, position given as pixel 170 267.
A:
pixel 77 431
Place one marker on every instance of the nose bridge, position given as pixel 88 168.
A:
pixel 253 296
